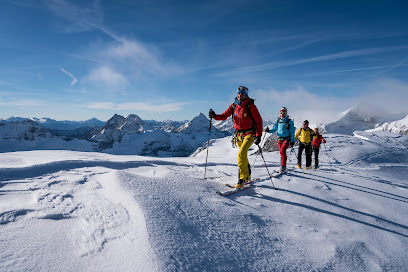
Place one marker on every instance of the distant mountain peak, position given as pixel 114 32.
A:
pixel 363 116
pixel 116 120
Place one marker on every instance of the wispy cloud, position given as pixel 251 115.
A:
pixel 139 106
pixel 81 18
pixel 118 62
pixel 27 103
pixel 74 80
pixel 353 80
pixel 329 57
pixel 5 83
pixel 335 72
pixel 390 68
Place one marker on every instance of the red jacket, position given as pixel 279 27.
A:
pixel 317 140
pixel 242 120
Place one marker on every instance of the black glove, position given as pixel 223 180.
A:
pixel 211 114
pixel 267 129
pixel 292 144
pixel 257 140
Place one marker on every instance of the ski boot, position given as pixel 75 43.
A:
pixel 240 184
pixel 282 169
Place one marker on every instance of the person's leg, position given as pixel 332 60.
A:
pixel 316 154
pixel 280 144
pixel 243 162
pixel 282 149
pixel 301 147
pixel 308 152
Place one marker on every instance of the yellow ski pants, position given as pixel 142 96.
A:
pixel 244 143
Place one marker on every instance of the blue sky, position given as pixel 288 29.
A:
pixel 74 60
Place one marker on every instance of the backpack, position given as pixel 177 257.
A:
pixel 317 140
pixel 287 123
pixel 251 101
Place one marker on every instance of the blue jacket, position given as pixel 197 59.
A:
pixel 282 131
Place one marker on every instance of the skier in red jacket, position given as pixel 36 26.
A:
pixel 248 129
pixel 317 140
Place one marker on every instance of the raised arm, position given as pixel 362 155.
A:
pixel 225 114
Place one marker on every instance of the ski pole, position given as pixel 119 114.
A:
pixel 297 159
pixel 328 156
pixel 260 151
pixel 263 138
pixel 208 147
pixel 290 155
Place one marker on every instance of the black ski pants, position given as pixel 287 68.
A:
pixel 316 155
pixel 308 153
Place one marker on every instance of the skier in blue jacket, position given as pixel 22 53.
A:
pixel 286 135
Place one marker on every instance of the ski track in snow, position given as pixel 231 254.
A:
pixel 76 211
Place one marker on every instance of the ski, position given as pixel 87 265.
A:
pixel 235 190
pixel 246 183
pixel 277 173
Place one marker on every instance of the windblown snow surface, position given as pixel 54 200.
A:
pixel 84 211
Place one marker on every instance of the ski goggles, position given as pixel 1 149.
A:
pixel 242 89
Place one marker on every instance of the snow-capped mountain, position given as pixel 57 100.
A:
pixel 228 125
pixel 22 130
pixel 400 126
pixel 60 125
pixel 200 124
pixel 29 135
pixel 359 118
pixel 115 128
pixel 166 125
pixel 119 135
pixel 182 141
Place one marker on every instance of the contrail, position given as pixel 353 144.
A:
pixel 74 80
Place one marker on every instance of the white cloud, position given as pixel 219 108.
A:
pixel 388 93
pixel 301 104
pixel 139 106
pixel 74 80
pixel 138 57
pixel 106 76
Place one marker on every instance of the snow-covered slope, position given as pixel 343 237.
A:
pixel 400 126
pixel 361 117
pixel 77 211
